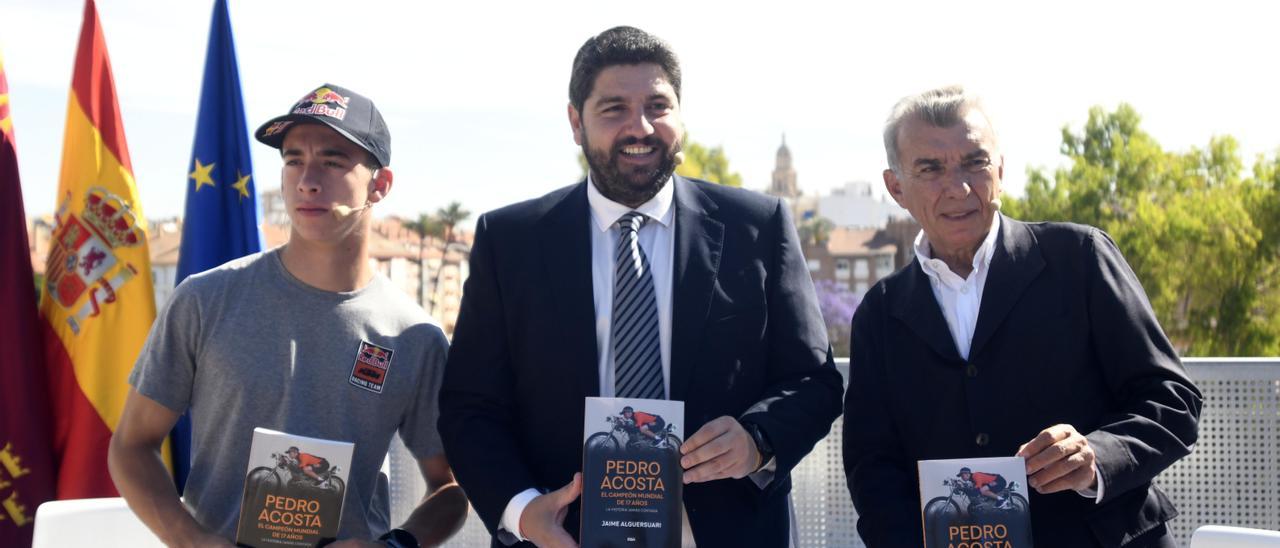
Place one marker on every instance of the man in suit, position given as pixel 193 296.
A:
pixel 728 323
pixel 1007 338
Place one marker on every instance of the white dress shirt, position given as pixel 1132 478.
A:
pixel 961 298
pixel 657 240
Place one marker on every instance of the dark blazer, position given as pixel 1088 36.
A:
pixel 1065 334
pixel 747 341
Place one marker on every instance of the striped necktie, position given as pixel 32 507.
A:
pixel 637 350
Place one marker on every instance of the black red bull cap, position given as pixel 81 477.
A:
pixel 350 114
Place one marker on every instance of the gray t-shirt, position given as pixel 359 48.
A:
pixel 247 345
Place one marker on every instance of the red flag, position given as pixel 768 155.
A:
pixel 26 453
pixel 97 299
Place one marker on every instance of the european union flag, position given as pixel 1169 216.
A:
pixel 221 221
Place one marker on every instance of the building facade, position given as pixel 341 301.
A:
pixel 844 234
pixel 856 205
pixel 851 257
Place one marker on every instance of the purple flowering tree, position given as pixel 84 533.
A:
pixel 837 303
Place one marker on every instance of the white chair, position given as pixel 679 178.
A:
pixel 89 522
pixel 1221 536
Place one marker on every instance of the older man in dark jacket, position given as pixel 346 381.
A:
pixel 1007 338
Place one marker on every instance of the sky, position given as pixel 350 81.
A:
pixel 475 93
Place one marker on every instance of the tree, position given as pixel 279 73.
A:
pixel 837 304
pixel 448 216
pixel 815 231
pixel 708 164
pixel 582 164
pixel 425 225
pixel 1200 235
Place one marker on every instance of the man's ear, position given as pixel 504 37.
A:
pixel 893 186
pixel 575 122
pixel 380 186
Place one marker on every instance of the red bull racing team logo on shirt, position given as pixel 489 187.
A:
pixel 323 102
pixel 372 364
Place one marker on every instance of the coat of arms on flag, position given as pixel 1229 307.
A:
pixel 82 255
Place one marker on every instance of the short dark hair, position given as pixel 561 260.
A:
pixel 619 46
pixel 939 107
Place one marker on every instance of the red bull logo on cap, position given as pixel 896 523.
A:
pixel 325 95
pixel 323 102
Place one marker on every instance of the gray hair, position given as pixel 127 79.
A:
pixel 938 107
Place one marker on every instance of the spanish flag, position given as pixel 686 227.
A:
pixel 97 301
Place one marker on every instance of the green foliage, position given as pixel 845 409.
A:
pixel 582 163
pixel 449 216
pixel 426 225
pixel 440 225
pixel 815 231
pixel 708 164
pixel 1203 238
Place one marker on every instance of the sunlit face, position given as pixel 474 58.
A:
pixel 322 170
pixel 947 179
pixel 630 131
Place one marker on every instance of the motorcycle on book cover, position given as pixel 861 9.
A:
pixel 631 477
pixel 975 503
pixel 293 490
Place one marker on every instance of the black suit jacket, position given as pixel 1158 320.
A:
pixel 747 341
pixel 1065 334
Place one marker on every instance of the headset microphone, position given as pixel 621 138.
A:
pixel 344 211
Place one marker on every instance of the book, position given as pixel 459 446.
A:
pixel 977 502
pixel 293 489
pixel 631 476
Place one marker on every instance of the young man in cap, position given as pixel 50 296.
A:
pixel 276 340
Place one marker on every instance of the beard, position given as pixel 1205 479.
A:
pixel 631 186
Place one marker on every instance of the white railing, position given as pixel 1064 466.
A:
pixel 1232 477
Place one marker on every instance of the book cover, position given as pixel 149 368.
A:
pixel 293 489
pixel 631 475
pixel 978 502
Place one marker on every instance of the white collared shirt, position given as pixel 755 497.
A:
pixel 657 240
pixel 961 298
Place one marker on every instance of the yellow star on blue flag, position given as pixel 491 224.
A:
pixel 242 185
pixel 221 224
pixel 202 174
